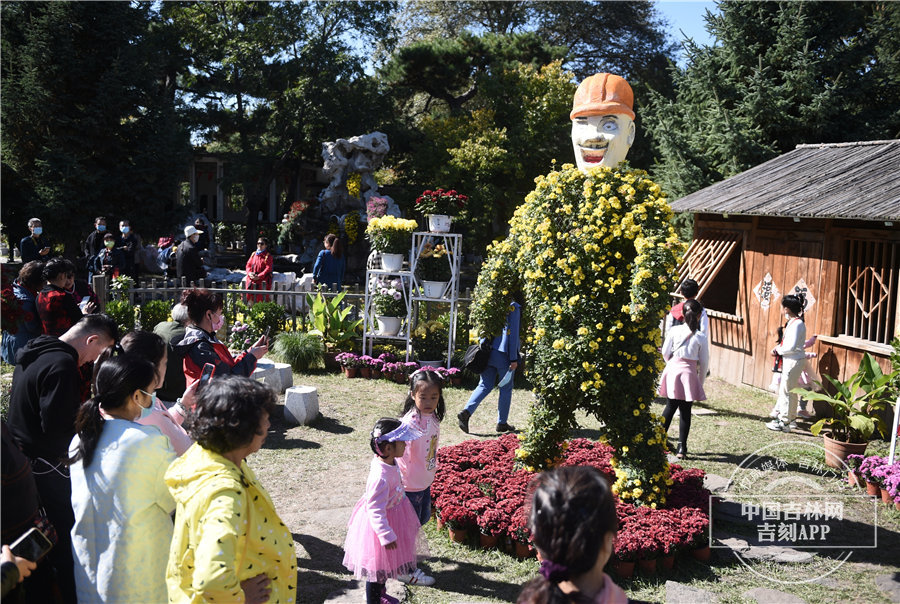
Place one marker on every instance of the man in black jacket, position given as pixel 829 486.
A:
pixel 188 263
pixel 44 402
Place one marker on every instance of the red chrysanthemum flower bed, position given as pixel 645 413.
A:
pixel 477 485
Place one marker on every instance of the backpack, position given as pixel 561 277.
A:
pixel 677 313
pixel 477 356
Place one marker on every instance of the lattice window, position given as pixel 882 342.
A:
pixel 871 274
pixel 711 259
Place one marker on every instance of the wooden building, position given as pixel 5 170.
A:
pixel 824 219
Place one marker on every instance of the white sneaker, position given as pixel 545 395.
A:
pixel 778 426
pixel 773 414
pixel 417 578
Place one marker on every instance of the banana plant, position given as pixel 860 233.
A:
pixel 858 403
pixel 331 322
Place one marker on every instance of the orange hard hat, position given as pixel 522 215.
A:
pixel 603 94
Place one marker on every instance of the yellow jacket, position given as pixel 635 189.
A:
pixel 226 531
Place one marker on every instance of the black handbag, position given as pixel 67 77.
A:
pixel 477 356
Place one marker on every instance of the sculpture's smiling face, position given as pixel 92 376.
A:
pixel 601 140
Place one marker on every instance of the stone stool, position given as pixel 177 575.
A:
pixel 301 405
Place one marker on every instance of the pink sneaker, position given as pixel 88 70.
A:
pixel 804 414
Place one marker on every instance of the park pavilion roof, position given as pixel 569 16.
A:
pixel 831 180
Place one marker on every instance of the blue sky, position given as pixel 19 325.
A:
pixel 686 19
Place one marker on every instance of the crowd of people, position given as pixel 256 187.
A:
pixel 142 500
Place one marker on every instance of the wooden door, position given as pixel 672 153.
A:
pixel 787 262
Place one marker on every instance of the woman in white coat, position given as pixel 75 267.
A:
pixel 686 351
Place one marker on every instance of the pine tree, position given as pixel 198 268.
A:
pixel 779 74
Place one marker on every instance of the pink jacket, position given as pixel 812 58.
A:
pixel 384 490
pixel 171 428
pixel 419 464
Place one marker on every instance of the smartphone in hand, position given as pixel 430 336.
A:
pixel 268 331
pixel 33 545
pixel 208 370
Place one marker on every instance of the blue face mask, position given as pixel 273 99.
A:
pixel 506 379
pixel 125 229
pixel 101 227
pixel 38 230
pixel 145 411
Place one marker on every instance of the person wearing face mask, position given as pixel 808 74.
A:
pixel 151 347
pixel 259 270
pixel 123 528
pixel 188 264
pixel 129 243
pixel 200 344
pixel 93 245
pixel 109 261
pixel 44 400
pixel 34 247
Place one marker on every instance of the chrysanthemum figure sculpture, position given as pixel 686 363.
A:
pixel 593 251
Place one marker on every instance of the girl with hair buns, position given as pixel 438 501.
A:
pixel 573 525
pixel 122 508
pixel 686 351
pixel 792 351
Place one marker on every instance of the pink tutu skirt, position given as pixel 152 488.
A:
pixel 680 381
pixel 364 555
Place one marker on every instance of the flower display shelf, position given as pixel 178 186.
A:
pixel 452 242
pixel 371 331
pixel 477 479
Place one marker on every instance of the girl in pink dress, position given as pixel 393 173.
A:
pixel 686 351
pixel 383 528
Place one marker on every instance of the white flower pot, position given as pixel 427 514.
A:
pixel 392 262
pixel 439 223
pixel 434 289
pixel 388 326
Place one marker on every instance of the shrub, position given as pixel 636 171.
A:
pixel 430 340
pixel 122 312
pixel 153 312
pixel 299 349
pixel 267 315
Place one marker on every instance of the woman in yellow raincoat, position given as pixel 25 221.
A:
pixel 229 543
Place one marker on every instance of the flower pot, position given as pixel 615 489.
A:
pixel 388 326
pixel 365 372
pixel 431 363
pixel 434 289
pixel 487 541
pixel 853 479
pixel 886 496
pixel 872 489
pixel 523 551
pixel 897 505
pixel 668 561
pixel 376 375
pixel 647 567
pixel 350 372
pixel 392 262
pixel 455 381
pixel 836 451
pixel 624 569
pixel 439 223
pixel 458 535
pixel 701 553
pixel 400 378
pixel 439 521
